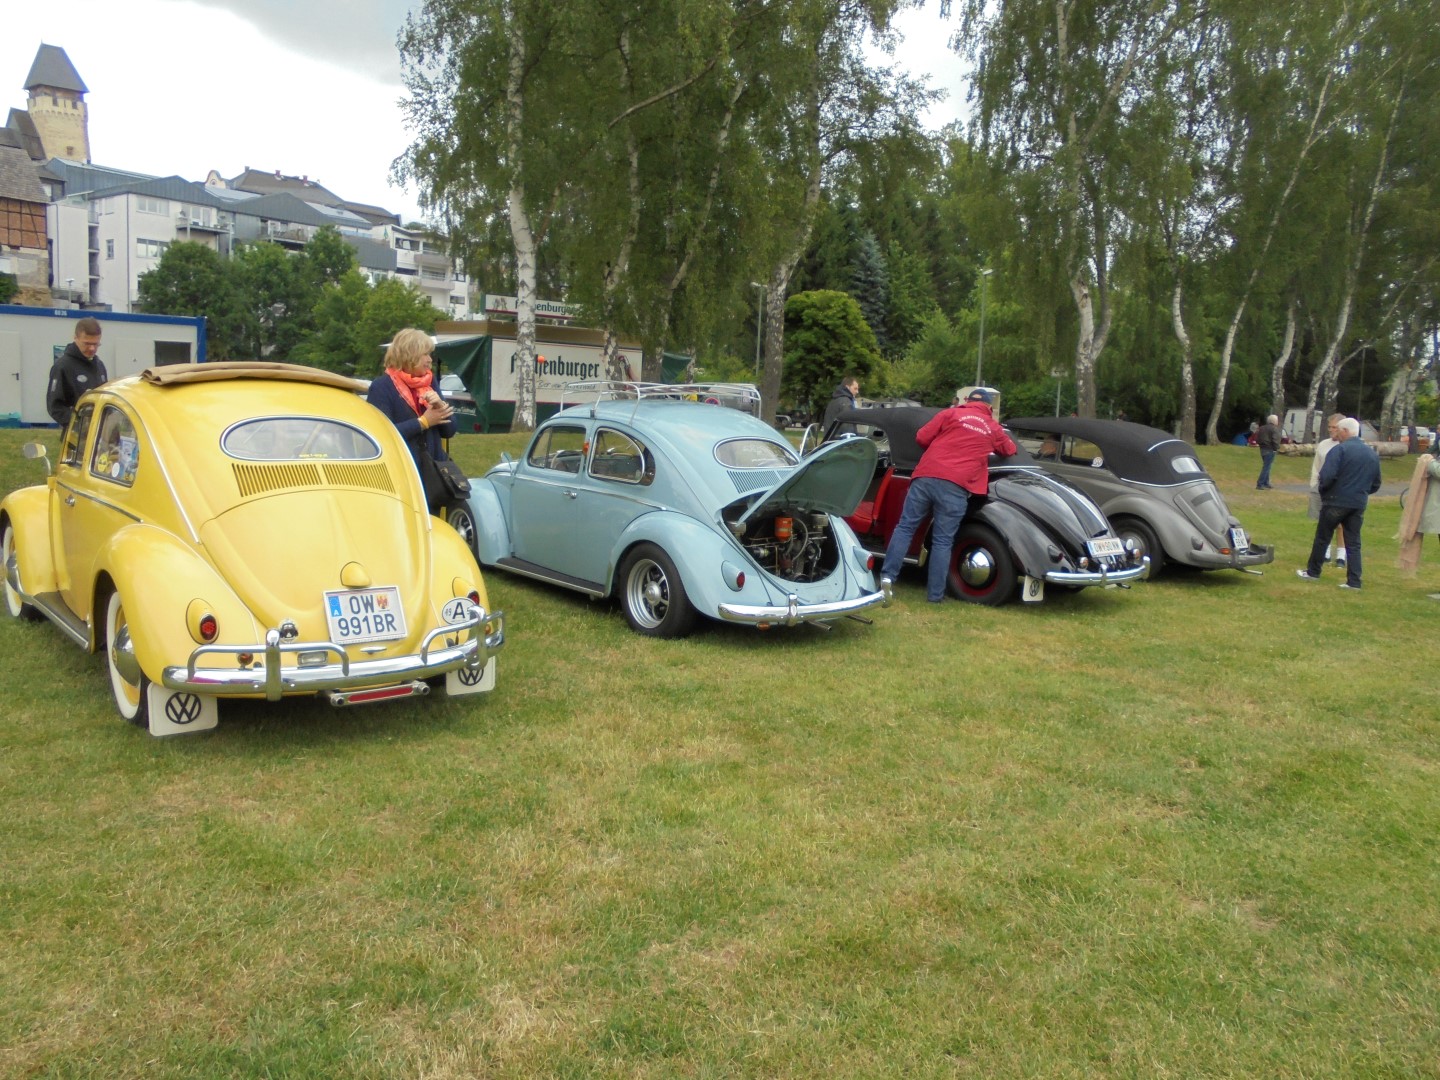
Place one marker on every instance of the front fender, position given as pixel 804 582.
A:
pixel 492 533
pixel 28 513
pixel 157 577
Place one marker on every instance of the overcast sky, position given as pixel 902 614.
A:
pixel 312 88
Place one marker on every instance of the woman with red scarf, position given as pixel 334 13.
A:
pixel 404 393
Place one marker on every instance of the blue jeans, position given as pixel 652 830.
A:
pixel 1267 457
pixel 1349 519
pixel 944 503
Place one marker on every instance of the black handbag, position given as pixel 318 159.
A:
pixel 443 480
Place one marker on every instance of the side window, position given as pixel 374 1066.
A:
pixel 559 447
pixel 73 449
pixel 1082 452
pixel 116 454
pixel 620 458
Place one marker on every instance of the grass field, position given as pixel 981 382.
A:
pixel 1184 830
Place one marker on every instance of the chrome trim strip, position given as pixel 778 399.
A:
pixel 1097 577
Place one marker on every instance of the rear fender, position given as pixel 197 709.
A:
pixel 695 548
pixel 157 577
pixel 1028 543
pixel 27 511
pixel 453 561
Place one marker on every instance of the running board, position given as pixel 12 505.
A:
pixel 552 577
pixel 52 605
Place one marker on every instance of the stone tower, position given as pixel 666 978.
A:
pixel 57 105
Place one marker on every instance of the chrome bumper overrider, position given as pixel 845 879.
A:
pixel 1098 577
pixel 794 613
pixel 268 676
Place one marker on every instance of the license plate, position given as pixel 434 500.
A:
pixel 357 615
pixel 1106 546
pixel 1238 540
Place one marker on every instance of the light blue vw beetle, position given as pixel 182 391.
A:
pixel 679 507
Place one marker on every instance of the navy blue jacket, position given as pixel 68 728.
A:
pixel 1350 475
pixel 387 399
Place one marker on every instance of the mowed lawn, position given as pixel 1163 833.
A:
pixel 1183 830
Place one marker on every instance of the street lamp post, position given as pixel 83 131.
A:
pixel 1057 374
pixel 980 357
pixel 759 315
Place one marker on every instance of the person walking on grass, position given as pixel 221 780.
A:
pixel 1268 440
pixel 1350 475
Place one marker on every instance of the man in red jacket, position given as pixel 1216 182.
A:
pixel 958 443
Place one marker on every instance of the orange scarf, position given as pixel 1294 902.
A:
pixel 411 387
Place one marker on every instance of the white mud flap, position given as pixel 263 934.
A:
pixel 175 712
pixel 466 681
pixel 1032 589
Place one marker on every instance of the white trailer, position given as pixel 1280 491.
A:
pixel 31 338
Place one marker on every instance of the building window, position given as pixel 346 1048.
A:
pixel 150 249
pixel 146 205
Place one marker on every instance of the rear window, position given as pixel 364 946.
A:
pixel 1186 464
pixel 754 454
pixel 291 438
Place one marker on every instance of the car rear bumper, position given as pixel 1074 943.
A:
pixel 794 613
pixel 1079 578
pixel 1254 555
pixel 474 641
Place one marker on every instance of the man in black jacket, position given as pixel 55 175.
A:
pixel 76 370
pixel 844 397
pixel 1350 475
pixel 1268 439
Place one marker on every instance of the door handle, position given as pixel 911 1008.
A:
pixel 571 493
pixel 69 500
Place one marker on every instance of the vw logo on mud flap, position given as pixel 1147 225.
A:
pixel 470 676
pixel 182 709
pixel 456 611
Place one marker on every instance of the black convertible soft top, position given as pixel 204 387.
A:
pixel 900 427
pixel 1132 451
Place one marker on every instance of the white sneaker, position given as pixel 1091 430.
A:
pixel 1305 575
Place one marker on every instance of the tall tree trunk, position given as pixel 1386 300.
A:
pixel 1187 362
pixel 1222 381
pixel 1277 371
pixel 522 235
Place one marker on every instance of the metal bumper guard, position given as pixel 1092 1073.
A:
pixel 794 613
pixel 269 677
pixel 1078 578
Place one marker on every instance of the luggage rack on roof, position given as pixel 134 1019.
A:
pixel 742 396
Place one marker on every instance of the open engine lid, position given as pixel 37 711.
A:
pixel 832 480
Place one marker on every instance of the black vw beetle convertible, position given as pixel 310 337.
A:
pixel 1030 531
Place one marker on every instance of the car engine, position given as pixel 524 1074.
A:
pixel 792 545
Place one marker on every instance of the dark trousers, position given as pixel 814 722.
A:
pixel 944 503
pixel 1348 518
pixel 1267 458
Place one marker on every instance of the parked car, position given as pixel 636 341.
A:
pixel 244 530
pixel 1151 486
pixel 452 388
pixel 1029 531
pixel 677 510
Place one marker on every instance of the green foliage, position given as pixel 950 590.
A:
pixel 327 256
pixel 9 288
pixel 827 338
pixel 192 279
pixel 335 344
pixel 870 286
pixel 392 305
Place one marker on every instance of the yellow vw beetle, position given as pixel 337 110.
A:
pixel 246 530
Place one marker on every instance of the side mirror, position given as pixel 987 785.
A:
pixel 33 450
